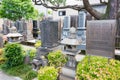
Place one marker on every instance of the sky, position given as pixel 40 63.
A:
pixel 79 2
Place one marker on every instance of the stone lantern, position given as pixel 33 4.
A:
pixel 14 36
pixel 70 49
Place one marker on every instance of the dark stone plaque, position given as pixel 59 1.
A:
pixel 49 33
pixel 101 38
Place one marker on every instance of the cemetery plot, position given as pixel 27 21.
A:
pixel 101 37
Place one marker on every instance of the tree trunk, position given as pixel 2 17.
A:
pixel 118 13
pixel 92 11
pixel 112 9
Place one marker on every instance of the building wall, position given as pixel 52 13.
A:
pixel 68 13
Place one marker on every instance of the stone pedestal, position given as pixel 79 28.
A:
pixel 40 59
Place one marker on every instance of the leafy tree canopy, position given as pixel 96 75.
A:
pixel 17 9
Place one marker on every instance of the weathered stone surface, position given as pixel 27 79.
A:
pixel 49 33
pixel 101 37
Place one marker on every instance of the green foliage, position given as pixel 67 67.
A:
pixel 98 69
pixel 41 15
pixel 49 12
pixel 13 55
pixel 47 73
pixel 2 59
pixel 56 59
pixel 1 51
pixel 32 53
pixel 17 70
pixel 30 75
pixel 37 44
pixel 17 9
pixel 23 71
pixel 57 2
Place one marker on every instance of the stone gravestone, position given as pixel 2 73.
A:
pixel 25 28
pixel 81 30
pixel 29 30
pixel 74 21
pixel 101 38
pixel 49 39
pixel 66 27
pixel 35 29
pixel 19 25
pixel 1 42
pixel 49 33
pixel 1 23
pixel 5 26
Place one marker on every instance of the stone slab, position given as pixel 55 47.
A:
pixel 101 38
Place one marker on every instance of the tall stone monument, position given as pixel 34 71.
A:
pixel 81 29
pixel 49 33
pixel 5 26
pixel 66 27
pixel 25 28
pixel 35 29
pixel 101 38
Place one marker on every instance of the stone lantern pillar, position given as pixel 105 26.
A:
pixel 68 72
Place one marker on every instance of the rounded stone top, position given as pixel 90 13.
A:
pixel 13 29
pixel 72 30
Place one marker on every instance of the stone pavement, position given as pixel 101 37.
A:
pixel 4 76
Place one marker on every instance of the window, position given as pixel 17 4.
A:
pixel 62 13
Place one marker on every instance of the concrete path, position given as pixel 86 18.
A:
pixel 4 76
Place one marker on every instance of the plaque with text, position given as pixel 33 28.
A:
pixel 100 38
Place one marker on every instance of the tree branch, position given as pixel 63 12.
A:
pixel 86 6
pixel 75 7
pixel 92 11
pixel 103 2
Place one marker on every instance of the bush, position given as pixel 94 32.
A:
pixel 32 53
pixel 30 75
pixel 2 59
pixel 57 59
pixel 37 44
pixel 98 69
pixel 13 55
pixel 23 71
pixel 47 73
pixel 1 51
